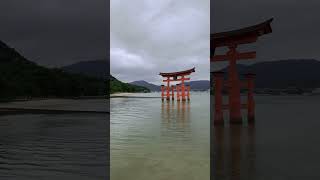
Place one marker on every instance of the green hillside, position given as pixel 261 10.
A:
pixel 99 69
pixel 118 86
pixel 20 78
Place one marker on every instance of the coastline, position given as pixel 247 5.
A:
pixel 56 106
pixel 131 95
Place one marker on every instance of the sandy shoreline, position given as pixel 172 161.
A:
pixel 122 94
pixel 56 106
pixel 4 111
pixel 132 95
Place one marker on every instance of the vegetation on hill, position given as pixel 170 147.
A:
pixel 118 86
pixel 21 78
pixel 145 84
pixel 99 69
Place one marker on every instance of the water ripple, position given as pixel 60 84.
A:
pixel 53 147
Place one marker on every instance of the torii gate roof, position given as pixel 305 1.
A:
pixel 179 73
pixel 222 38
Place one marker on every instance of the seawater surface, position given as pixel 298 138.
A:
pixel 151 139
pixel 282 145
pixel 55 146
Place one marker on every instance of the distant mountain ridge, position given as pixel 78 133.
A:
pixel 200 85
pixel 300 73
pixel 94 68
pixel 150 86
pixel 100 69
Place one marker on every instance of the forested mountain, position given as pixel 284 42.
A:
pixel 100 69
pixel 118 86
pixel 145 84
pixel 20 77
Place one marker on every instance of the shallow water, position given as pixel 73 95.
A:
pixel 99 105
pixel 283 144
pixel 155 140
pixel 64 147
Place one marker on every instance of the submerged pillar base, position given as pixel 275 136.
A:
pixel 251 120
pixel 218 123
pixel 235 120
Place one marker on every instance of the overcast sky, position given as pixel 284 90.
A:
pixel 296 25
pixel 148 37
pixel 56 32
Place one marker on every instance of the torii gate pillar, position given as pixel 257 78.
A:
pixel 218 102
pixel 234 87
pixel 251 104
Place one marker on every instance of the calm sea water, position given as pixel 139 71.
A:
pixel 160 141
pixel 54 146
pixel 283 144
pixel 155 140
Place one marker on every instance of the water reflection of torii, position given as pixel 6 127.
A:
pixel 234 152
pixel 176 115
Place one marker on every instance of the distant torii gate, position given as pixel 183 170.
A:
pixel 231 40
pixel 182 90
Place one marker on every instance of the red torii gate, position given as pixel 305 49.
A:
pixel 179 88
pixel 232 39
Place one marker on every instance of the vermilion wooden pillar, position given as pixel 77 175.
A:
pixel 188 92
pixel 162 92
pixel 251 104
pixel 183 91
pixel 218 109
pixel 178 91
pixel 234 87
pixel 168 88
pixel 172 91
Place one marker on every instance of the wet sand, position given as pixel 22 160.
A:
pixel 56 106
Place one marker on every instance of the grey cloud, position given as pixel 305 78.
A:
pixel 56 33
pixel 168 35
